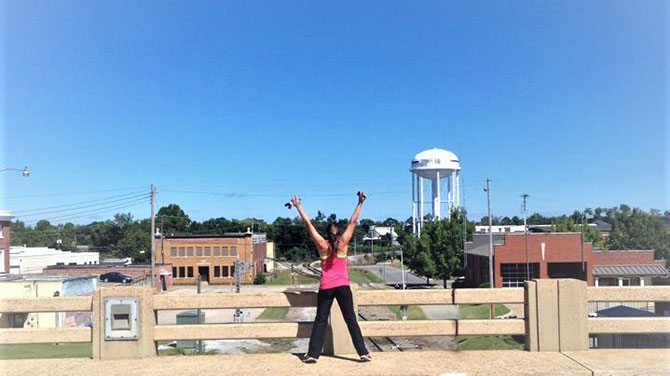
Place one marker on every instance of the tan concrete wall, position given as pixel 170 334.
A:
pixel 144 346
pixel 32 289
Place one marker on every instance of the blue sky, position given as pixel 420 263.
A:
pixel 566 101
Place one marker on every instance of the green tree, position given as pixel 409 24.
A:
pixel 418 257
pixel 174 220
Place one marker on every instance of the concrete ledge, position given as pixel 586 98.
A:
pixel 45 335
pixel 491 327
pixel 403 297
pixel 629 325
pixel 246 300
pixel 433 363
pixel 488 296
pixel 233 331
pixel 628 294
pixel 60 304
pixel 631 362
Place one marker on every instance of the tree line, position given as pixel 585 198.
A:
pixel 438 253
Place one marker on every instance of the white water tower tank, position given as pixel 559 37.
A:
pixel 434 165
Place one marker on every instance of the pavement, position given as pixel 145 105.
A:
pixel 391 275
pixel 435 363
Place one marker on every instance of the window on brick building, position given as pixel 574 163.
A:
pixel 189 251
pixel 224 271
pixel 224 251
pixel 182 252
pixel 173 252
pixel 198 251
pixel 174 272
pixel 217 251
pixel 182 272
pixel 208 251
pixel 189 272
pixel 514 275
pixel 233 250
pixel 217 271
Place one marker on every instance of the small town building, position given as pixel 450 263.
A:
pixel 557 255
pixel 5 224
pixel 30 260
pixel 212 257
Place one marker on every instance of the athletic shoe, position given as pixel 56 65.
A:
pixel 366 358
pixel 308 359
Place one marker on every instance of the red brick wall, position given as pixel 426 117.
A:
pixel 627 257
pixel 559 247
pixel 4 244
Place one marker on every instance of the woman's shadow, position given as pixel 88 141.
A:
pixel 301 355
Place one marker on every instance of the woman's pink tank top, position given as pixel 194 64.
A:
pixel 334 272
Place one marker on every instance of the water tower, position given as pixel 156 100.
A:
pixel 434 165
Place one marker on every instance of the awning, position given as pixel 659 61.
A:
pixel 629 270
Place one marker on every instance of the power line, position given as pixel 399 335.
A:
pixel 242 194
pixel 94 211
pixel 79 205
pixel 75 193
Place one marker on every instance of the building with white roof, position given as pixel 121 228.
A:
pixel 380 233
pixel 32 260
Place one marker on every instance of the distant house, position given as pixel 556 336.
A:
pixel 604 227
pixel 627 340
pixel 380 234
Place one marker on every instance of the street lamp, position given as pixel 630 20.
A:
pixel 24 172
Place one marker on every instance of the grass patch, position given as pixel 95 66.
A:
pixel 489 343
pixel 283 277
pixel 362 276
pixel 413 312
pixel 480 311
pixel 46 350
pixel 274 313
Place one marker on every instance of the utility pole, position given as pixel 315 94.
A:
pixel 488 203
pixel 525 231
pixel 153 237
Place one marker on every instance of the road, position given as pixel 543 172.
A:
pixel 392 275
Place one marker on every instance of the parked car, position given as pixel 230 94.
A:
pixel 116 277
pixel 460 282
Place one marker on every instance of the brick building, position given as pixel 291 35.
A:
pixel 5 223
pixel 212 257
pixel 557 255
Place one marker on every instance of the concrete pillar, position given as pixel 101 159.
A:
pixel 338 341
pixel 573 315
pixel 596 281
pixel 140 347
pixel 620 281
pixel 556 315
pixel 641 281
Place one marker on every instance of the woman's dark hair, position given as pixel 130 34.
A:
pixel 333 235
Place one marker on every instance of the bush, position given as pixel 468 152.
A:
pixel 260 279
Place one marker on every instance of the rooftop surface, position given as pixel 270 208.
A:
pixel 471 363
